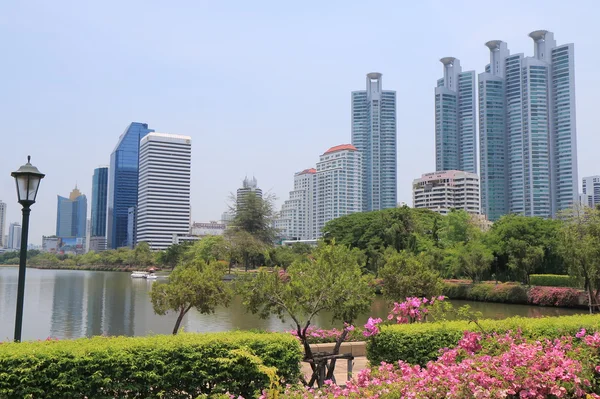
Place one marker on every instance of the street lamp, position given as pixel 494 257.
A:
pixel 28 179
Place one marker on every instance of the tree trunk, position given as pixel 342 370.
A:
pixel 182 313
pixel 336 351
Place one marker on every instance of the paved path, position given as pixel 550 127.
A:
pixel 341 369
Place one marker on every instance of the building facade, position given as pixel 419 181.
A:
pixel 212 228
pixel 248 186
pixel 164 189
pixel 14 236
pixel 591 190
pixel 99 202
pixel 71 217
pixel 374 135
pixel 298 219
pixel 447 190
pixel 123 183
pixel 528 146
pixel 339 184
pixel 455 119
pixel 3 243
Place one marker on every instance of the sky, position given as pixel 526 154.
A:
pixel 262 87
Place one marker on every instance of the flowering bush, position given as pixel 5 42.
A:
pixel 553 296
pixel 494 366
pixel 318 335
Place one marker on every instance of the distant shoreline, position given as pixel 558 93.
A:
pixel 99 268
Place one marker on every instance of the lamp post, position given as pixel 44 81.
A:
pixel 28 179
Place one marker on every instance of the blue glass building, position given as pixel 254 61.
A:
pixel 99 199
pixel 123 183
pixel 71 216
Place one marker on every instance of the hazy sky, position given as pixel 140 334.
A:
pixel 263 87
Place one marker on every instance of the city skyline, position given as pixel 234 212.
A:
pixel 271 126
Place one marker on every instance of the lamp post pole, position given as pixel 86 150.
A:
pixel 22 267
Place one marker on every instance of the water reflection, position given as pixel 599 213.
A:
pixel 70 304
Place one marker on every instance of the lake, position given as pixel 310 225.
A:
pixel 72 304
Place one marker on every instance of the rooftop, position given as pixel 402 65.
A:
pixel 307 171
pixel 341 147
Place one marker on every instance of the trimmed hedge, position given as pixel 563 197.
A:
pixel 487 292
pixel 554 280
pixel 181 366
pixel 419 343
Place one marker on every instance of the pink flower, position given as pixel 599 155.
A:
pixel 581 333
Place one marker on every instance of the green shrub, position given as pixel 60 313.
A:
pixel 554 280
pixel 456 290
pixel 181 366
pixel 419 343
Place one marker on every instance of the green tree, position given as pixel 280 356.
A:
pixel 195 284
pixel 524 258
pixel 281 256
pixel 474 260
pixel 208 249
pixel 173 255
pixel 142 255
pixel 407 275
pixel 331 282
pixel 255 215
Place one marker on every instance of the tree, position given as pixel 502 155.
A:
pixel 579 245
pixel 474 259
pixel 208 249
pixel 245 248
pixel 407 275
pixel 255 215
pixel 173 254
pixel 331 282
pixel 142 255
pixel 195 284
pixel 524 258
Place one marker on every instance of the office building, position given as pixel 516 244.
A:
pixel 97 244
pixel 455 126
pixel 339 184
pixel 71 218
pixel 374 135
pixel 211 228
pixel 528 146
pixel 297 220
pixel 446 190
pixel 227 217
pixel 164 189
pixel 51 244
pixel 591 190
pixel 3 243
pixel 14 236
pixel 248 186
pixel 123 183
pixel 99 202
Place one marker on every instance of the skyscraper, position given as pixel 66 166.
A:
pixel 527 130
pixel 455 137
pixel 248 186
pixel 164 189
pixel 339 184
pixel 123 183
pixel 374 135
pixel 99 198
pixel 14 236
pixel 443 191
pixel 591 189
pixel 2 223
pixel 297 220
pixel 71 217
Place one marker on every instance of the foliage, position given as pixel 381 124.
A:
pixel 554 280
pixel 553 296
pixel 255 215
pixel 332 282
pixel 245 248
pixel 419 343
pixel 473 260
pixel 407 275
pixel 195 284
pixel 209 249
pixel 503 293
pixel 148 367
pixel 315 335
pixel 478 366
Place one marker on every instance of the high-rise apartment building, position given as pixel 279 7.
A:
pixel 339 184
pixel 14 236
pixel 123 183
pixel 99 201
pixel 374 135
pixel 528 146
pixel 591 190
pixel 248 186
pixel 297 220
pixel 443 191
pixel 455 126
pixel 71 218
pixel 2 223
pixel 164 189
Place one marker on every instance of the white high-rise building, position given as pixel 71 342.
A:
pixel 446 190
pixel 455 116
pixel 339 184
pixel 591 190
pixel 528 145
pixel 14 236
pixel 2 223
pixel 164 189
pixel 374 135
pixel 297 220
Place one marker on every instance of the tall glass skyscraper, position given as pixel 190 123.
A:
pixel 71 216
pixel 374 135
pixel 455 137
pixel 527 130
pixel 123 183
pixel 99 198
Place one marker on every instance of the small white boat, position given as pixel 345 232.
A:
pixel 139 274
pixel 151 276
